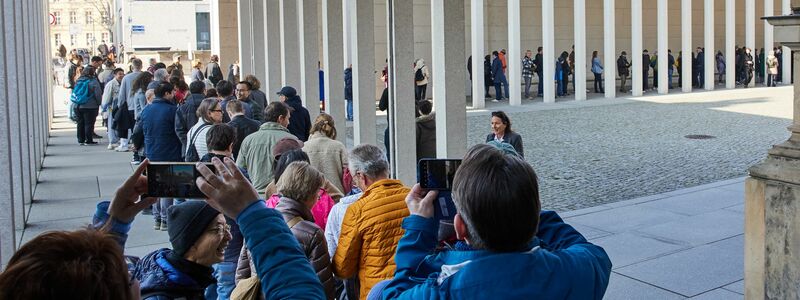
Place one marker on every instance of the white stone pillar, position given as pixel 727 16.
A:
pixel 513 58
pixel 402 125
pixel 23 40
pixel 272 82
pixel 309 54
pixel 609 47
pixel 476 13
pixel 363 59
pixel 786 58
pixel 686 46
pixel 580 50
pixel 259 33
pixel 548 51
pixel 347 30
pixel 246 42
pixel 636 48
pixel 750 31
pixel 769 8
pixel 730 44
pixel 710 52
pixel 333 56
pixel 8 186
pixel 447 25
pixel 663 58
pixel 290 43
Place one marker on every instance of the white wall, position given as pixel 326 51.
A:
pixel 167 23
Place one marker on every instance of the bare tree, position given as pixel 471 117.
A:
pixel 104 9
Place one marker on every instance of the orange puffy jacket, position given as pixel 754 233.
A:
pixel 371 230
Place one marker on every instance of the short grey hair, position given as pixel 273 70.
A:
pixel 369 160
pixel 136 64
pixel 160 75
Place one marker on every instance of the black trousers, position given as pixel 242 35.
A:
pixel 420 91
pixel 598 83
pixel 86 119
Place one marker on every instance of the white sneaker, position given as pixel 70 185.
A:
pixel 495 100
pixel 121 149
pixel 112 146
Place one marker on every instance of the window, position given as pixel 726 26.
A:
pixel 104 36
pixel 57 14
pixel 89 17
pixel 73 17
pixel 73 39
pixel 104 17
pixel 57 37
pixel 89 39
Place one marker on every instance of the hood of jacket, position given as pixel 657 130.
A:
pixel 291 208
pixel 157 275
pixel 427 121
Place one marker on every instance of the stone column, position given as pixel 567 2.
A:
pixel 772 215
pixel 636 48
pixel 333 56
pixel 548 51
pixel 259 34
pixel 513 58
pixel 749 31
pixel 769 8
pixel 686 45
pixel 710 52
pixel 402 124
pixel 290 57
pixel 609 47
pixel 663 58
pixel 22 108
pixel 730 44
pixel 309 55
pixel 246 41
pixel 786 58
pixel 447 24
pixel 478 92
pixel 224 36
pixel 8 193
pixel 580 50
pixel 272 81
pixel 363 60
pixel 347 30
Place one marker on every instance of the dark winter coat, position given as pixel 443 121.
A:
pixel 160 279
pixel 348 84
pixel 244 126
pixel 300 121
pixel 512 138
pixel 426 136
pixel 158 124
pixel 186 117
pixel 258 100
pixel 497 71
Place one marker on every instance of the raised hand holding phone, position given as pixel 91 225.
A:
pixel 227 189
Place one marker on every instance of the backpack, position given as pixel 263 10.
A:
pixel 418 76
pixel 191 151
pixel 81 93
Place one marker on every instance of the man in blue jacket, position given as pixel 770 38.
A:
pixel 300 124
pixel 498 76
pixel 507 248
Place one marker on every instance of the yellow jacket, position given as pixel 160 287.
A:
pixel 371 230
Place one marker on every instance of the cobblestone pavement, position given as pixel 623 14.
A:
pixel 588 155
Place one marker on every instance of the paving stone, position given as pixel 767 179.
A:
pixel 50 210
pixel 698 202
pixel 110 183
pixel 67 188
pixel 736 287
pixel 694 271
pixel 588 232
pixel 718 294
pixel 701 229
pixel 34 229
pixel 624 288
pixel 142 233
pixel 629 248
pixel 626 218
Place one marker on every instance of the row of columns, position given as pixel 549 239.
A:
pixel 25 112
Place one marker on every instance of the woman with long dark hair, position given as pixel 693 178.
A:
pixel 502 133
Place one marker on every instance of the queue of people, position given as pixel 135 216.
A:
pixel 290 212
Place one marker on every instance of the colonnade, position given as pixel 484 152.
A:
pixel 25 110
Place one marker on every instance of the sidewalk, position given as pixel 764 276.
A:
pixel 681 244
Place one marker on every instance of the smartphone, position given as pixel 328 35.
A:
pixel 437 174
pixel 174 180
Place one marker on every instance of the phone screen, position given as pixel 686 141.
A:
pixel 437 174
pixel 174 180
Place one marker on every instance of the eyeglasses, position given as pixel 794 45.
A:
pixel 220 229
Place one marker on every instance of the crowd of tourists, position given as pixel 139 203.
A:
pixel 290 212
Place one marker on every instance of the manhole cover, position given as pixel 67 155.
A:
pixel 699 136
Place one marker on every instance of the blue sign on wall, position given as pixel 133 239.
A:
pixel 137 28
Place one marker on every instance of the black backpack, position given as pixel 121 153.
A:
pixel 418 76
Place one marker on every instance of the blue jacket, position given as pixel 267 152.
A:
pixel 497 70
pixel 561 264
pixel 159 279
pixel 161 143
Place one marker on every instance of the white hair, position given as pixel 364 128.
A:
pixel 369 160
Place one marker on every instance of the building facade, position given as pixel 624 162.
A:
pixel 80 24
pixel 159 25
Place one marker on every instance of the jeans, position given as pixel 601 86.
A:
pixel 541 84
pixel 376 292
pixel 669 78
pixel 527 87
pixel 498 91
pixel 420 92
pixel 349 110
pixel 160 209
pixel 624 79
pixel 112 134
pixel 644 82
pixel 598 83
pixel 771 80
pixel 86 118
pixel 505 84
pixel 386 143
pixel 560 88
pixel 225 273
